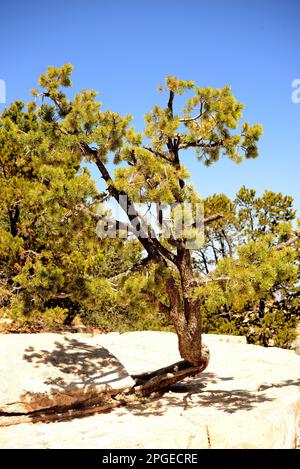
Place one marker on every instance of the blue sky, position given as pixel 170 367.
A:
pixel 124 49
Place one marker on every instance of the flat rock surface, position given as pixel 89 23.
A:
pixel 248 398
pixel 40 371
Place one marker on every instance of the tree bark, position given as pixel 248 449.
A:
pixel 185 313
pixel 157 380
pixel 187 317
pixel 14 215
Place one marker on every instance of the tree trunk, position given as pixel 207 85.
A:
pixel 14 215
pixel 186 316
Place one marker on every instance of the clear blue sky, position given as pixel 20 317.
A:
pixel 124 49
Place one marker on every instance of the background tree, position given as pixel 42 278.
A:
pixel 251 225
pixel 51 261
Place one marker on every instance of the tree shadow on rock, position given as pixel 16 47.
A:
pixel 193 393
pixel 282 384
pixel 87 364
pixel 198 383
pixel 72 372
pixel 225 401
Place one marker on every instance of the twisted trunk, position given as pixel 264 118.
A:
pixel 184 307
pixel 185 313
pixel 187 316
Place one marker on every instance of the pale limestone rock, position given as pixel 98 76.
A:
pixel 247 398
pixel 39 371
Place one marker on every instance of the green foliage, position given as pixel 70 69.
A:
pixel 273 327
pixel 51 261
pixel 258 296
pixel 53 266
pixel 208 117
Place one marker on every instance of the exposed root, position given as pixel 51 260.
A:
pixel 163 378
pixel 146 383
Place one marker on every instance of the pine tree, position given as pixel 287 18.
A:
pixel 252 246
pixel 151 171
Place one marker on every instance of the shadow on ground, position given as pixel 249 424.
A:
pixel 73 372
pixel 85 365
pixel 193 393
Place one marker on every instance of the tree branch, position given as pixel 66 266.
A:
pixel 208 279
pixel 212 218
pixel 164 309
pixel 135 268
pixel 289 242
pixel 157 153
pixel 191 119
pixel 170 102
pixel 152 245
pixel 200 144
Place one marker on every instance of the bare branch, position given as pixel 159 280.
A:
pixel 135 268
pixel 152 245
pixel 200 144
pixel 119 225
pixel 157 153
pixel 212 218
pixel 208 279
pixel 164 309
pixel 30 252
pixel 190 119
pixel 291 241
